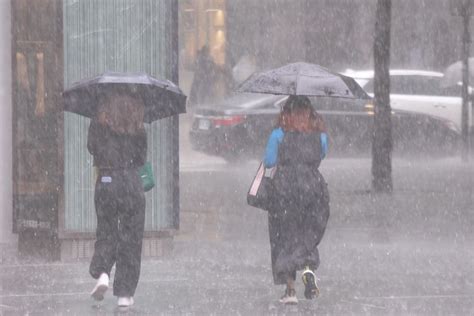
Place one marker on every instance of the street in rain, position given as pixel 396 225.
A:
pixel 236 157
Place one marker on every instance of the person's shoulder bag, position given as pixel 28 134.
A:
pixel 261 189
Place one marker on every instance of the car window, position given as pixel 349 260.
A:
pixel 247 101
pixel 416 85
pixel 338 104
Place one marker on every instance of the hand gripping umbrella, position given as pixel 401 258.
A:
pixel 162 98
pixel 303 79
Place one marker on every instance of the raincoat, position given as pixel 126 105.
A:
pixel 300 207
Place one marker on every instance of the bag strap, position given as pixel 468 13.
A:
pixel 257 180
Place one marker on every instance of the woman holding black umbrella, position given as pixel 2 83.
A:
pixel 118 104
pixel 300 204
pixel 117 140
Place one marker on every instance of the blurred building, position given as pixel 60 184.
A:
pixel 202 23
pixel 48 180
pixel 7 238
pixel 334 33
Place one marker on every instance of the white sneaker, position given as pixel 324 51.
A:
pixel 289 297
pixel 125 301
pixel 101 287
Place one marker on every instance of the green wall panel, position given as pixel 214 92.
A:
pixel 118 35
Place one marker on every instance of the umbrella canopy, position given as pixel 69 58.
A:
pixel 453 74
pixel 304 79
pixel 162 98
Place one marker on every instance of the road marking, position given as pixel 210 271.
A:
pixel 364 304
pixel 7 307
pixel 36 265
pixel 43 294
pixel 393 297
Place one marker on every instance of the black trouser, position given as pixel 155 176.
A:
pixel 120 207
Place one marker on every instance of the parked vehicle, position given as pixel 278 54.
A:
pixel 419 91
pixel 238 127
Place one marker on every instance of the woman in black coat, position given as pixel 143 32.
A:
pixel 300 205
pixel 117 141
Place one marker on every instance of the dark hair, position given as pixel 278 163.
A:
pixel 298 114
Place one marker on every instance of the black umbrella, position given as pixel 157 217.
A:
pixel 304 79
pixel 162 98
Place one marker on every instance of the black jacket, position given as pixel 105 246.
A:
pixel 112 150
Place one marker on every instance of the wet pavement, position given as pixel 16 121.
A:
pixel 410 253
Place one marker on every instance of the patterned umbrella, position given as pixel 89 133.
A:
pixel 303 79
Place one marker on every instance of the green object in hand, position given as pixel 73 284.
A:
pixel 146 174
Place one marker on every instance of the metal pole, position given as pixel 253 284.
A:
pixel 175 130
pixel 465 82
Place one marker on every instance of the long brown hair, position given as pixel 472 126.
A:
pixel 299 115
pixel 122 111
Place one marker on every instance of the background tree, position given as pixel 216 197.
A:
pixel 382 135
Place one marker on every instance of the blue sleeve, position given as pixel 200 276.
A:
pixel 324 145
pixel 271 151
